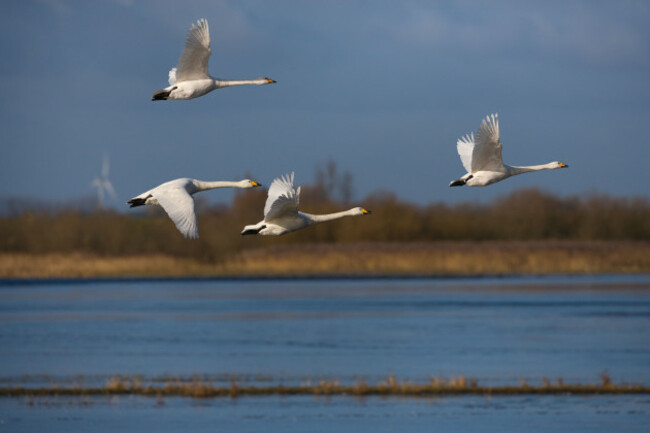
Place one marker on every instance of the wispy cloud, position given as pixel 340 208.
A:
pixel 576 30
pixel 230 25
pixel 58 6
pixel 599 36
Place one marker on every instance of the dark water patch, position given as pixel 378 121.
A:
pixel 318 414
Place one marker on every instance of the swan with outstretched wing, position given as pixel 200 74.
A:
pixel 281 214
pixel 190 79
pixel 481 157
pixel 175 197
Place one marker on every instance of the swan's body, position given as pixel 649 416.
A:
pixel 175 197
pixel 281 214
pixel 190 79
pixel 482 159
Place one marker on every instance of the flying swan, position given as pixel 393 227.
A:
pixel 482 157
pixel 281 214
pixel 175 197
pixel 190 79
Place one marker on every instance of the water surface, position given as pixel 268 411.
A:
pixel 499 331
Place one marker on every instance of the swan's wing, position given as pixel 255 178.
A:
pixel 179 205
pixel 282 200
pixel 193 64
pixel 486 154
pixel 172 77
pixel 465 147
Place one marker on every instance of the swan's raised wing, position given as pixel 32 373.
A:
pixel 172 77
pixel 193 64
pixel 486 154
pixel 465 147
pixel 282 200
pixel 179 205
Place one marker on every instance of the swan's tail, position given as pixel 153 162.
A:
pixel 253 230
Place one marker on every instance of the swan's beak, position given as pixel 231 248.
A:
pixel 255 183
pixel 270 80
pixel 563 165
pixel 365 211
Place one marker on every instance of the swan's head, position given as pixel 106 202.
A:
pixel 360 211
pixel 557 164
pixel 248 183
pixel 268 80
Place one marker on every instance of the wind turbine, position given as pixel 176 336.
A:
pixel 102 183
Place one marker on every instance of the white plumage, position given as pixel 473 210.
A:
pixel 175 197
pixel 190 79
pixel 481 157
pixel 281 214
pixel 282 198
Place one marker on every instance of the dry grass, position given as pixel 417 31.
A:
pixel 196 388
pixel 364 259
pixel 77 265
pixel 446 258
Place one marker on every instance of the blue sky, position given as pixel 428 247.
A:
pixel 384 88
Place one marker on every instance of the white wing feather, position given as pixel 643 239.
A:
pixel 282 200
pixel 465 147
pixel 193 64
pixel 487 148
pixel 172 77
pixel 179 205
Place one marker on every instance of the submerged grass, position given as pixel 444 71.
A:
pixel 197 388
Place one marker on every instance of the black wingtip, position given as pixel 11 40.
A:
pixel 252 231
pixel 457 182
pixel 162 95
pixel 134 202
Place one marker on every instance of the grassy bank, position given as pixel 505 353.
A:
pixel 435 387
pixel 361 259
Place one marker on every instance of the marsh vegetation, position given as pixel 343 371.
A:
pixel 198 388
pixel 526 232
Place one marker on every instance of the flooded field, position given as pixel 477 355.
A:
pixel 294 332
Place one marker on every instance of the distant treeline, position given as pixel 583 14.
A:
pixel 528 214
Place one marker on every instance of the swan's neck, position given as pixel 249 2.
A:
pixel 315 219
pixel 525 169
pixel 203 185
pixel 229 83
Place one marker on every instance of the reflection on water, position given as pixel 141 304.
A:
pixel 264 414
pixel 496 330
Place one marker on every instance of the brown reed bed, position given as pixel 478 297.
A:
pixel 444 259
pixel 458 386
pixel 460 258
pixel 81 265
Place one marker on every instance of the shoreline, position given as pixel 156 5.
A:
pixel 490 259
pixel 334 277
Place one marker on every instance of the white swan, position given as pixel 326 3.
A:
pixel 175 197
pixel 281 214
pixel 190 79
pixel 482 157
